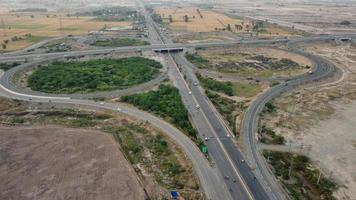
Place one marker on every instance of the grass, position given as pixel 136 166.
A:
pixel 302 184
pixel 166 103
pixel 35 38
pixel 197 60
pixel 230 88
pixel 246 89
pixel 269 136
pixel 120 42
pixel 227 108
pixel 7 66
pixel 93 75
pixel 135 140
pixel 217 86
pixel 246 72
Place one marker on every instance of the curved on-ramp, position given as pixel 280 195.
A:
pixel 322 69
pixel 210 180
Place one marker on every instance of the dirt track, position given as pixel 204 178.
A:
pixel 63 163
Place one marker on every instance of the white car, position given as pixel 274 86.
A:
pixel 206 138
pixel 197 106
pixel 195 83
pixel 102 103
pixel 190 92
pixel 119 109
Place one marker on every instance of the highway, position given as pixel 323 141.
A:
pixel 9 57
pixel 208 176
pixel 238 179
pixel 322 69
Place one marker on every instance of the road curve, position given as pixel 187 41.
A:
pixel 209 177
pixel 322 69
pixel 10 57
pixel 7 81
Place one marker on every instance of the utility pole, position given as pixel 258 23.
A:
pixel 3 26
pixel 319 177
pixel 291 159
pixel 60 24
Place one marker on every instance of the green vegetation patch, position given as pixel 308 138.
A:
pixel 211 84
pixel 7 66
pixel 93 75
pixel 135 140
pixel 269 136
pixel 120 42
pixel 230 88
pixel 226 108
pixel 35 38
pixel 246 89
pixel 197 60
pixel 303 182
pixel 166 103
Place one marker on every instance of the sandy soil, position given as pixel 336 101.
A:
pixel 333 147
pixel 41 25
pixel 324 118
pixel 62 163
pixel 209 22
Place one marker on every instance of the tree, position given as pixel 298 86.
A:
pixel 4 46
pixel 170 18
pixel 186 18
pixel 228 27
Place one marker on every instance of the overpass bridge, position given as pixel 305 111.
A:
pixel 169 50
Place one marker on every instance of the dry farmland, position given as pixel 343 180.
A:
pixel 43 25
pixel 64 163
pixel 210 21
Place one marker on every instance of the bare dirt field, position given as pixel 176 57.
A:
pixel 324 118
pixel 318 16
pixel 45 25
pixel 210 21
pixel 64 163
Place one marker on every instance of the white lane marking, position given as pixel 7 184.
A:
pixel 32 96
pixel 242 181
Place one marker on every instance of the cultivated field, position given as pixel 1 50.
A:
pixel 207 22
pixel 63 163
pixel 45 25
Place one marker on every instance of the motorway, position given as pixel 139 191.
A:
pixel 8 57
pixel 208 176
pixel 232 177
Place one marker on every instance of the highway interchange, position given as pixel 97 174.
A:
pixel 231 177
